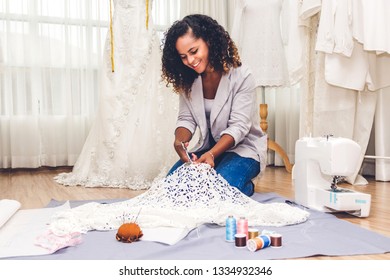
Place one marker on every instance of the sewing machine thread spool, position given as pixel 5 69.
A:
pixel 242 226
pixel 231 229
pixel 252 233
pixel 240 240
pixel 276 240
pixel 258 243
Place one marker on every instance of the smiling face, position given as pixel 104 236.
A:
pixel 193 52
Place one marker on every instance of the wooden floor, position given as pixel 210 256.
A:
pixel 35 188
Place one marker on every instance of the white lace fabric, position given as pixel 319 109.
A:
pixel 193 195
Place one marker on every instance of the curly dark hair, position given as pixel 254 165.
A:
pixel 223 53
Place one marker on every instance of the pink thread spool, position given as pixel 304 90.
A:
pixel 242 226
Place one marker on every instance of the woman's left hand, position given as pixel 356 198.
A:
pixel 206 158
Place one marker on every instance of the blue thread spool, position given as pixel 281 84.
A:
pixel 231 229
pixel 266 240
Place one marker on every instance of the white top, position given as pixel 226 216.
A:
pixel 371 23
pixel 208 104
pixel 363 20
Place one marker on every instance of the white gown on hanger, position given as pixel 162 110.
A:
pixel 130 142
pixel 260 29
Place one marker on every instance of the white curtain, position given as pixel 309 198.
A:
pixel 283 120
pixel 217 9
pixel 165 12
pixel 50 52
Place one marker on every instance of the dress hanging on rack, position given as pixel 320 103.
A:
pixel 130 142
pixel 259 32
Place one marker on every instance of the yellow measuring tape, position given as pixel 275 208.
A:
pixel 111 40
pixel 147 14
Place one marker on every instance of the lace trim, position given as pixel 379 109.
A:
pixel 133 182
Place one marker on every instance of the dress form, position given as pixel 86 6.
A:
pixel 263 50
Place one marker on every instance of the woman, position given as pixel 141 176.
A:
pixel 217 97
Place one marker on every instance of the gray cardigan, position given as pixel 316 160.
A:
pixel 234 112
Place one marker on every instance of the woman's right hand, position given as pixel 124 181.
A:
pixel 181 151
pixel 182 138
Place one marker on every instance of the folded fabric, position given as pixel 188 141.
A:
pixel 165 235
pixel 18 237
pixel 53 242
pixel 8 207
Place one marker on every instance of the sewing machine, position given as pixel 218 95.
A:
pixel 320 163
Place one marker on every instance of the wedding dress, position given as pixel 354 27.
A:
pixel 193 195
pixel 130 142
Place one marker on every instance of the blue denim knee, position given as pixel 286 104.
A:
pixel 239 171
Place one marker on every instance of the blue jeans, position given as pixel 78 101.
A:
pixel 238 171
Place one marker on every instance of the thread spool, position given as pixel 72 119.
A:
pixel 252 233
pixel 254 244
pixel 267 232
pixel 242 226
pixel 231 229
pixel 258 243
pixel 240 240
pixel 276 240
